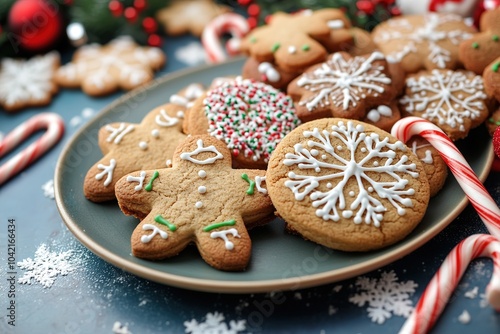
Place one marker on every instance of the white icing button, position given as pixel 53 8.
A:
pixel 202 174
pixel 143 145
pixel 155 133
pixel 168 163
pixel 199 205
pixel 180 114
pixel 335 24
pixel 292 49
pixel 202 189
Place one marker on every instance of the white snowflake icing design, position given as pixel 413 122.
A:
pixel 344 82
pixel 46 266
pixel 445 97
pixel 24 81
pixel 214 323
pixel 48 189
pixel 378 157
pixel 385 297
pixel 412 38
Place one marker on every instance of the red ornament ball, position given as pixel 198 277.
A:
pixel 496 141
pixel 115 7
pixel 35 25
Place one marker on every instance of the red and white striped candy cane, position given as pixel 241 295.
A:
pixel 440 288
pixel 477 194
pixel 55 129
pixel 231 23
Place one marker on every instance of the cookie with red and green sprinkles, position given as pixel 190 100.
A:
pixel 249 116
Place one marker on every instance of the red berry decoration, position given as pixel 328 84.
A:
pixel 115 7
pixel 131 14
pixel 496 142
pixel 35 25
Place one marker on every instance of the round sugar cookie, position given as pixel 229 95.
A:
pixel 347 185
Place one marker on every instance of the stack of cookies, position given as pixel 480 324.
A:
pixel 302 133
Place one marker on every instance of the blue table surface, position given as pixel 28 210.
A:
pixel 97 297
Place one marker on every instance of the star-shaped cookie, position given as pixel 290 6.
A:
pixel 102 69
pixel 200 200
pixel 128 147
pixel 182 16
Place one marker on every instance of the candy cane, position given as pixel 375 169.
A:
pixel 231 23
pixel 477 194
pixel 438 291
pixel 440 288
pixel 55 129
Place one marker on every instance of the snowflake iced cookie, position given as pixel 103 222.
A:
pixel 455 101
pixel 423 41
pixel 293 42
pixel 484 47
pixel 347 185
pixel 250 117
pixel 343 86
pixel 200 200
pixel 102 69
pixel 28 83
pixel 181 17
pixel 128 147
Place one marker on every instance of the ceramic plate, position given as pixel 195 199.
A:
pixel 279 260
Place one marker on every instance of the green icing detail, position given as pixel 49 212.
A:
pixel 217 225
pixel 275 47
pixel 149 186
pixel 492 120
pixel 495 66
pixel 495 38
pixel 475 45
pixel 251 188
pixel 160 220
pixel 306 47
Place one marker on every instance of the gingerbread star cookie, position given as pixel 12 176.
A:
pixel 455 101
pixel 484 47
pixel 343 86
pixel 293 42
pixel 423 41
pixel 28 83
pixel 128 147
pixel 200 200
pixel 182 16
pixel 102 69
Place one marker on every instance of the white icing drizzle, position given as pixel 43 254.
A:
pixel 343 82
pixel 374 114
pixel 428 154
pixel 148 237
pixel 164 120
pixel 189 155
pixel 118 133
pixel 223 235
pixel 143 145
pixel 335 24
pixel 106 170
pixel 365 207
pixel 269 72
pixel 439 97
pixel 258 184
pixel 139 179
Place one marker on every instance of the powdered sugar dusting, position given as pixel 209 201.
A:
pixel 214 323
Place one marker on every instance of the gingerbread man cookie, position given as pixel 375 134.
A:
pixel 423 41
pixel 343 86
pixel 455 101
pixel 102 69
pixel 28 83
pixel 128 147
pixel 200 200
pixel 484 47
pixel 293 42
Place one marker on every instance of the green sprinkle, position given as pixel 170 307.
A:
pixel 306 47
pixel 475 45
pixel 275 47
pixel 492 120
pixel 253 39
pixel 149 186
pixel 217 225
pixel 160 220
pixel 495 38
pixel 495 66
